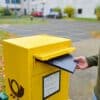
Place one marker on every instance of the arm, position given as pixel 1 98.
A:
pixel 92 61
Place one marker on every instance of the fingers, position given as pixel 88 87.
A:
pixel 77 67
pixel 81 62
pixel 80 68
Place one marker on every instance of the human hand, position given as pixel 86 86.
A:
pixel 81 62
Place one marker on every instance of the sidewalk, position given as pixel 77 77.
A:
pixel 82 82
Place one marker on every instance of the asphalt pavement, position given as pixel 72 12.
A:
pixel 83 81
pixel 75 30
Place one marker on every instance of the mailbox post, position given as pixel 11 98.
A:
pixel 28 77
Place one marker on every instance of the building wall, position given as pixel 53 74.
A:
pixel 87 6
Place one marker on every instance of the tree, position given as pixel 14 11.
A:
pixel 98 12
pixel 69 10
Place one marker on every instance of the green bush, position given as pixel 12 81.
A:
pixel 5 12
pixel 69 11
pixel 98 12
pixel 1 11
pixel 56 9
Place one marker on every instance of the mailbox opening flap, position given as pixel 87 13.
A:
pixel 53 53
pixel 65 62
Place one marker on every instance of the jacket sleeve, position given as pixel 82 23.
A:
pixel 92 60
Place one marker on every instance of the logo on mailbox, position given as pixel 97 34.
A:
pixel 17 90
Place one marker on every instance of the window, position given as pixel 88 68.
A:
pixel 16 1
pixel 25 11
pixel 7 1
pixel 80 11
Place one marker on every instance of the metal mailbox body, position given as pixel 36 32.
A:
pixel 30 79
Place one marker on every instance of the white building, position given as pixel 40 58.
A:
pixel 11 4
pixel 84 8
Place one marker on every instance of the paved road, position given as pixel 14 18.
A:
pixel 83 82
pixel 70 29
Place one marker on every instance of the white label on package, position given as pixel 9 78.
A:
pixel 51 84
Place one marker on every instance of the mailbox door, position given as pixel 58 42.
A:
pixel 50 84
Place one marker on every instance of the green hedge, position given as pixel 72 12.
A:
pixel 5 12
pixel 57 9
pixel 69 10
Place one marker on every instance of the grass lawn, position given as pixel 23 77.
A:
pixel 83 19
pixel 3 35
pixel 87 19
pixel 21 20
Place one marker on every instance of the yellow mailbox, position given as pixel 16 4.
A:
pixel 27 78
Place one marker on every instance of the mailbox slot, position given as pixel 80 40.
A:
pixel 65 62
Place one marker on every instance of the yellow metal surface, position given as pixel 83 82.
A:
pixel 37 79
pixel 37 41
pixel 20 56
pixel 53 53
pixel 44 47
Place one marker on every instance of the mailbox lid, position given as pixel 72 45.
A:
pixel 43 47
pixel 52 47
pixel 53 53
pixel 36 41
